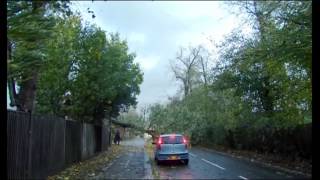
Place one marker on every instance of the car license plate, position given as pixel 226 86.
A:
pixel 173 157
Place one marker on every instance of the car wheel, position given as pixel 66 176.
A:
pixel 186 161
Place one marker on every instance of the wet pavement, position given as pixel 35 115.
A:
pixel 135 163
pixel 131 164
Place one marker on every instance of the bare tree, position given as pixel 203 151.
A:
pixel 184 67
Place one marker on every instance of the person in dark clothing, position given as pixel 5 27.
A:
pixel 117 137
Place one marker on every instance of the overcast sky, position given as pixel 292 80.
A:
pixel 154 30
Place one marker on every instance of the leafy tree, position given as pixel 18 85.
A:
pixel 29 29
pixel 89 76
pixel 261 83
pixel 60 67
pixel 262 75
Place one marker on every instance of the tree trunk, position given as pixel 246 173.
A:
pixel 186 88
pixel 27 93
pixel 267 100
pixel 99 114
pixel 204 74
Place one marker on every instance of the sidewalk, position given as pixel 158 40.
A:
pixel 133 163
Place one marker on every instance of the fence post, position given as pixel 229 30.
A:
pixel 30 146
pixel 82 141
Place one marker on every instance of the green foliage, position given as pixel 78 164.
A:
pixel 55 75
pixel 30 27
pixel 29 30
pixel 77 69
pixel 88 76
pixel 261 83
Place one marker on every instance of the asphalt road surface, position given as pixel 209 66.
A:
pixel 132 164
pixel 203 164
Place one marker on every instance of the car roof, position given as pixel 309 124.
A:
pixel 165 135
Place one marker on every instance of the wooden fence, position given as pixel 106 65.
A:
pixel 18 136
pixel 41 145
pixel 73 142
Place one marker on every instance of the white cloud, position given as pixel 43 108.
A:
pixel 147 63
pixel 139 38
pixel 194 9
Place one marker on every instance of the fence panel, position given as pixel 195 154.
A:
pixel 88 141
pixel 98 138
pixel 17 144
pixel 73 142
pixel 104 138
pixel 48 145
pixel 41 145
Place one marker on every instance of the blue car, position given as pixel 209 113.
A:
pixel 171 147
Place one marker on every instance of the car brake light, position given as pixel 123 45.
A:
pixel 185 142
pixel 159 143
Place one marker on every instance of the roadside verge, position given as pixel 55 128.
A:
pixel 89 168
pixel 150 159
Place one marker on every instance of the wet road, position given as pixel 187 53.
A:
pixel 135 163
pixel 205 164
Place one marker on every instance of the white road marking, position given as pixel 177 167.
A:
pixel 243 177
pixel 213 164
pixel 193 155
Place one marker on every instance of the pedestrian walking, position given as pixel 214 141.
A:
pixel 117 137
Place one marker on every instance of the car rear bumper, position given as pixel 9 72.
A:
pixel 168 157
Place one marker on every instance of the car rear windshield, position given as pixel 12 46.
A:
pixel 172 140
